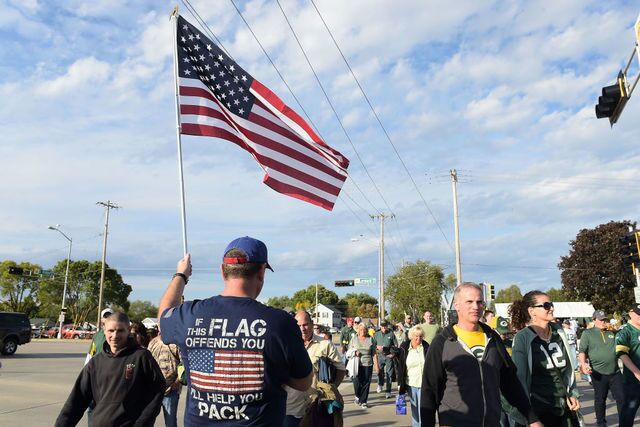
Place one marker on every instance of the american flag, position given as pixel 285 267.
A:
pixel 226 371
pixel 220 99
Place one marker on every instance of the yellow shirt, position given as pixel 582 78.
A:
pixel 474 342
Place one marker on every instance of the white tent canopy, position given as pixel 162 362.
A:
pixel 561 309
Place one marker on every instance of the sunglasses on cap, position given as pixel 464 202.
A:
pixel 547 305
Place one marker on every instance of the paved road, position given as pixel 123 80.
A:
pixel 35 382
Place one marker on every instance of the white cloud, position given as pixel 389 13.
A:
pixel 502 91
pixel 83 72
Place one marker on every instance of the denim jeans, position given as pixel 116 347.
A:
pixel 385 373
pixel 170 408
pixel 630 404
pixel 414 398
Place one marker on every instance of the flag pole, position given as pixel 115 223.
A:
pixel 174 18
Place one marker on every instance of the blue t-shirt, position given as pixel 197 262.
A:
pixel 237 353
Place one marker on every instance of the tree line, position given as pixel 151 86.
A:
pixel 593 270
pixel 38 293
pixel 414 289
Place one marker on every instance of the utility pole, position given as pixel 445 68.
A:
pixel 381 217
pixel 316 310
pixel 454 181
pixel 108 205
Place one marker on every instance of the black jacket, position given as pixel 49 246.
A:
pixel 401 363
pixel 127 388
pixel 466 391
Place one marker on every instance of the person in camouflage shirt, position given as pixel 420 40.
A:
pixel 168 358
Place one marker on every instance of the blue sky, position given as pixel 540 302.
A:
pixel 504 92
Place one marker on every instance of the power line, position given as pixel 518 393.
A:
pixel 381 125
pixel 332 106
pixel 196 16
pixel 203 23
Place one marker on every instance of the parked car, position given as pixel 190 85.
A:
pixel 76 332
pixel 333 330
pixel 15 330
pixel 51 333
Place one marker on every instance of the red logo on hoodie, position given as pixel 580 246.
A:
pixel 128 371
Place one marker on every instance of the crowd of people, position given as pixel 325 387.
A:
pixel 245 363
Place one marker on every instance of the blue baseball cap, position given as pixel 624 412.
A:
pixel 254 251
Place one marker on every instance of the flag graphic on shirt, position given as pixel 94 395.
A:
pixel 226 371
pixel 220 99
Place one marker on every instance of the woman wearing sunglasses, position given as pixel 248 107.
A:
pixel 541 355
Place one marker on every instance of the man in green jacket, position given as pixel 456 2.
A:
pixel 598 345
pixel 346 333
pixel 386 344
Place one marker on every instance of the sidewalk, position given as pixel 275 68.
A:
pixel 382 412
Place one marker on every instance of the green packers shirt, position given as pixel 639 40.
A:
pixel 547 388
pixel 600 348
pixel 628 342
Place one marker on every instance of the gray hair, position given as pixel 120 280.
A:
pixel 465 285
pixel 413 330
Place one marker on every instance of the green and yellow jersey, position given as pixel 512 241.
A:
pixel 628 342
pixel 474 342
pixel 549 361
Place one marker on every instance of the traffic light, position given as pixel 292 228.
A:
pixel 492 293
pixel 340 283
pixel 629 249
pixel 16 270
pixel 613 100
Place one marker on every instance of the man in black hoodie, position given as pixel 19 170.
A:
pixel 466 368
pixel 124 380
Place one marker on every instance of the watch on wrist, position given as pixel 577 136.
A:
pixel 184 277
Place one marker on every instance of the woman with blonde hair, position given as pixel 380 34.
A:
pixel 409 368
pixel 542 356
pixel 362 347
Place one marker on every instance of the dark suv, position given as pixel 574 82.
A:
pixel 15 329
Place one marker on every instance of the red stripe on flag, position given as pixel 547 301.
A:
pixel 202 110
pixel 206 130
pixel 279 105
pixel 298 193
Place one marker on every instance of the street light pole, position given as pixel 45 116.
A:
pixel 66 278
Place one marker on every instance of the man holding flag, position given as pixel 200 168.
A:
pixel 237 352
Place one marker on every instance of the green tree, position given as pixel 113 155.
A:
pixel 20 292
pixel 417 287
pixel 367 310
pixel 509 294
pixel 559 295
pixel 307 297
pixel 594 271
pixel 351 303
pixel 280 302
pixel 83 290
pixel 139 310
